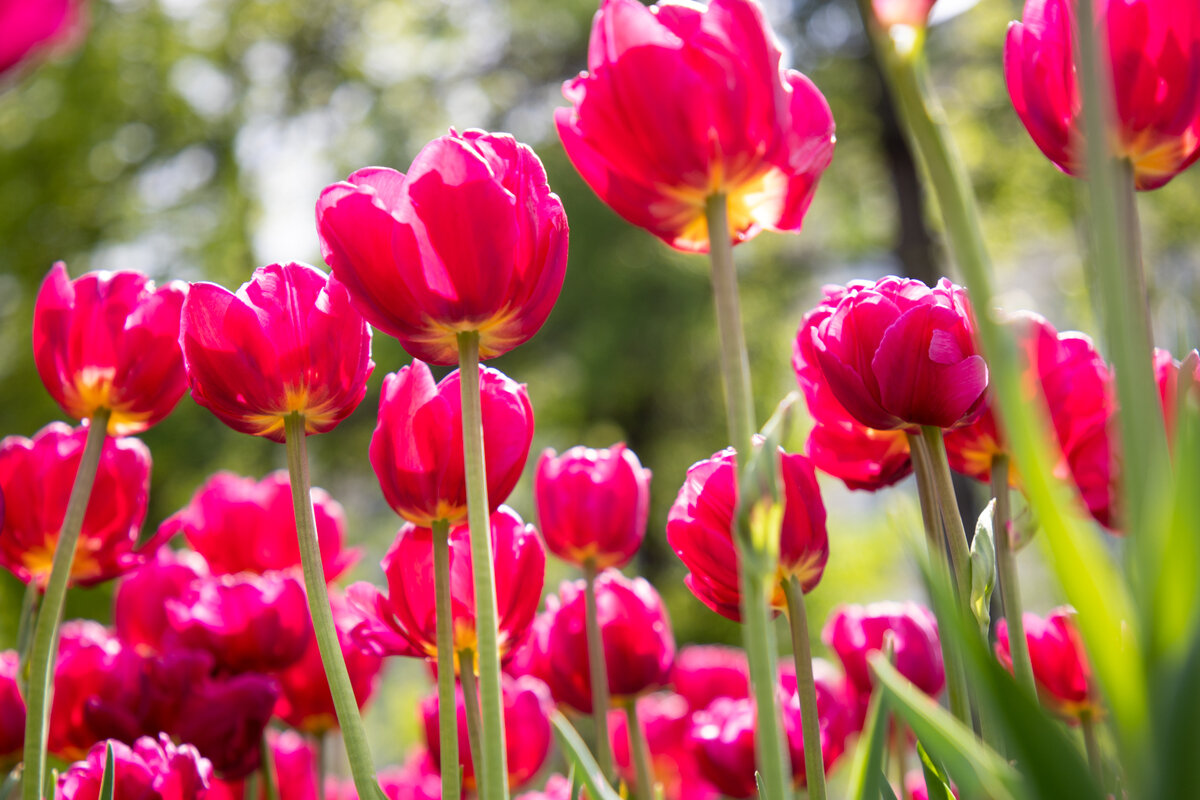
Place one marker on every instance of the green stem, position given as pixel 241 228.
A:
pixel 471 702
pixel 956 534
pixel 761 649
pixel 43 652
pixel 353 733
pixel 494 764
pixel 806 688
pixel 1006 570
pixel 1095 759
pixel 321 755
pixel 640 750
pixel 598 671
pixel 266 768
pixel 447 713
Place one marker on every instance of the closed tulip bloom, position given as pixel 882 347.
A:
pixel 639 647
pixel 12 710
pixel 1168 373
pixel 666 720
pixel 152 769
pixel 225 717
pixel 527 731
pixel 720 117
pixel 854 632
pixel 1060 663
pixel 593 504
pixel 704 672
pixel 897 354
pixel 110 340
pixel 241 525
pixel 1154 51
pixel 472 239
pixel 141 599
pixel 36 478
pixel 287 342
pixel 404 622
pixel 33 25
pixel 417 447
pixel 699 530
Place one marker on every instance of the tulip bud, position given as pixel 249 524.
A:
pixel 1060 663
pixel 854 632
pixel 150 770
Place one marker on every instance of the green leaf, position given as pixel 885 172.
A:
pixel 581 759
pixel 885 789
pixel 937 782
pixel 108 780
pixel 983 567
pixel 868 758
pixel 760 498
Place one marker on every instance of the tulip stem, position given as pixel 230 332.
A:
pixel 266 766
pixel 447 713
pixel 43 652
pixel 319 745
pixel 806 689
pixel 943 489
pixel 1006 569
pixel 1095 760
pixel 470 688
pixel 494 764
pixel 598 671
pixel 640 751
pixel 353 733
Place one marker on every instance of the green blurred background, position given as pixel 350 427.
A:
pixel 190 139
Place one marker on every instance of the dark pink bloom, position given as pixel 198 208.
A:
pixel 110 340
pixel 593 505
pixel 666 721
pixel 1060 663
pixel 36 478
pixel 840 708
pixel 140 601
pixel 1154 50
pixel 150 770
pixel 294 760
pixel 854 632
pixel 12 710
pixel 699 531
pixel 287 342
pixel 704 672
pixel 91 664
pixel 897 354
pixel 720 116
pixel 305 701
pixel 241 525
pixel 639 647
pixel 33 25
pixel 417 447
pixel 913 13
pixel 527 732
pixel 225 719
pixel 472 239
pixel 405 621
pixel 250 623
pixel 723 742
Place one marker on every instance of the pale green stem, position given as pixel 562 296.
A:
pixel 597 670
pixel 806 688
pixel 43 652
pixel 495 758
pixel 640 751
pixel 471 702
pixel 266 768
pixel 447 715
pixel 761 649
pixel 956 534
pixel 1095 759
pixel 354 735
pixel 1006 570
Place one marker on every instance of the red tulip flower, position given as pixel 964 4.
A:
pixel 704 672
pixel 141 599
pixel 33 25
pixel 719 117
pixel 699 529
pixel 666 721
pixel 527 731
pixel 288 342
pixel 897 354
pixel 1154 52
pixel 241 525
pixel 1060 663
pixel 91 664
pixel 405 621
pixel 854 632
pixel 593 504
pixel 225 719
pixel 12 710
pixel 840 709
pixel 110 340
pixel 36 478
pixel 417 447
pixel 149 770
pixel 639 647
pixel 472 239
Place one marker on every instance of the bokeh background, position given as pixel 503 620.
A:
pixel 190 139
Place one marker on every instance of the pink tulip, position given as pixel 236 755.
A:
pixel 854 632
pixel 287 342
pixel 840 709
pixel 527 732
pixel 593 504
pixel 639 647
pixel 150 770
pixel 1153 48
pixel 225 718
pixel 913 13
pixel 417 447
pixel 719 117
pixel 141 599
pixel 36 478
pixel 472 239
pixel 702 673
pixel 558 787
pixel 405 621
pixel 110 340
pixel 91 663
pixel 12 710
pixel 242 525
pixel 897 354
pixel 1060 663
pixel 1167 373
pixel 666 721
pixel 699 530
pixel 31 26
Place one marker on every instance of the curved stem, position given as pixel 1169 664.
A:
pixel 471 702
pixel 1006 570
pixel 43 652
pixel 353 733
pixel 956 534
pixel 447 713
pixel 494 764
pixel 598 671
pixel 806 689
pixel 640 750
